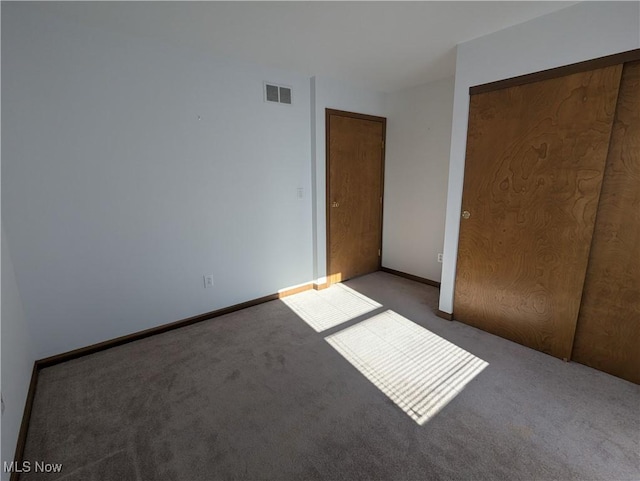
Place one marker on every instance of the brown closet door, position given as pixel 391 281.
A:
pixel 535 159
pixel 608 330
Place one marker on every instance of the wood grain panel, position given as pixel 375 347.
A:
pixel 534 166
pixel 354 193
pixel 608 330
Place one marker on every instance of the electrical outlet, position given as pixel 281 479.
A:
pixel 439 257
pixel 2 400
pixel 208 281
pixel 300 192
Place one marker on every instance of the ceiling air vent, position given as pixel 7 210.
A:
pixel 278 94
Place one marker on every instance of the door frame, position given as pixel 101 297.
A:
pixel 353 115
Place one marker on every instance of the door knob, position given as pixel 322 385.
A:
pixel 466 214
pixel 335 204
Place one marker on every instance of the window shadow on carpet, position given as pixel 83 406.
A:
pixel 418 370
pixel 331 307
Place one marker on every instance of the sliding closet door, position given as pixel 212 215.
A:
pixel 535 159
pixel 608 331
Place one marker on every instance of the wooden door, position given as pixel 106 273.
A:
pixel 608 330
pixel 355 146
pixel 535 159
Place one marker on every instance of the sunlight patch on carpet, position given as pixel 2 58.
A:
pixel 330 307
pixel 418 370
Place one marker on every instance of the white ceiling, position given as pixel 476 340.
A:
pixel 383 46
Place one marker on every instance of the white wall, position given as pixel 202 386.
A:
pixel 117 199
pixel 18 356
pixel 416 169
pixel 327 93
pixel 581 32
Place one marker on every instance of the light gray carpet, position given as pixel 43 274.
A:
pixel 261 395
